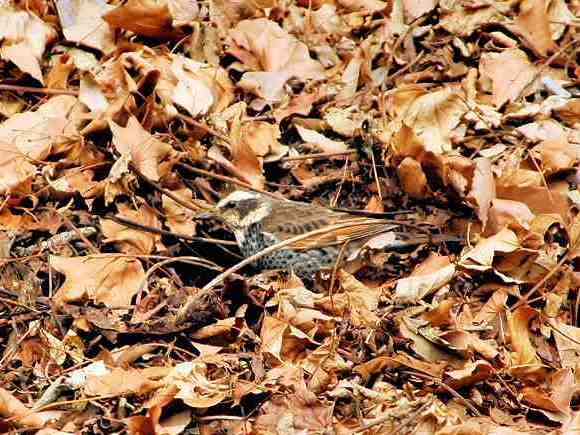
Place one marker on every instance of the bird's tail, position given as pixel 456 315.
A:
pixel 406 239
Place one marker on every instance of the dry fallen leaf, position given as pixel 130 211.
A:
pixel 60 72
pixel 195 388
pixel 194 86
pixel 282 341
pixel 482 188
pixel 108 279
pixel 245 163
pixel 321 142
pixel 37 134
pixel 525 358
pixel 415 8
pixel 557 401
pixel 449 117
pixel 74 181
pixel 129 240
pixel 481 256
pixel 178 218
pixel 263 139
pixel 24 38
pixel 533 24
pixel 463 20
pixel 505 213
pixel 144 17
pixel 174 424
pixel 343 121
pixel 366 6
pixel 567 343
pixel 511 73
pixel 11 407
pixel 273 56
pixel 429 276
pixel 300 105
pixel 357 299
pixel 151 422
pixel 432 117
pixel 473 373
pixel 494 307
pixel 412 178
pixel 350 79
pixel 82 22
pixel 556 155
pixel 427 347
pixel 569 112
pixel 539 199
pixel 119 382
pixel 299 412
pixel 16 171
pixel 545 129
pixel 145 151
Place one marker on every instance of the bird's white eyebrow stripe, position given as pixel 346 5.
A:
pixel 238 195
pixel 257 215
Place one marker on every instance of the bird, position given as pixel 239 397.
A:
pixel 259 221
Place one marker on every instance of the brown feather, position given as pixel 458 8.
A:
pixel 292 219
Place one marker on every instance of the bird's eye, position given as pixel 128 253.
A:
pixel 229 206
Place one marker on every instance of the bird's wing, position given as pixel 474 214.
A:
pixel 291 220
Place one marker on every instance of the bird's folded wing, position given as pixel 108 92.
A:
pixel 357 230
pixel 341 227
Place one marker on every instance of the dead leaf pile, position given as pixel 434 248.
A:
pixel 121 121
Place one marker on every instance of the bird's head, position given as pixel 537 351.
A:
pixel 240 209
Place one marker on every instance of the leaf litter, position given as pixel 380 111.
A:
pixel 122 122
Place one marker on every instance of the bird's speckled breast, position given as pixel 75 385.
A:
pixel 302 262
pixel 252 241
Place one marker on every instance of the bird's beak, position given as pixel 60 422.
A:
pixel 206 215
pixel 207 211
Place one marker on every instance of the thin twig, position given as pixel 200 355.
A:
pixel 9 352
pixel 407 67
pixel 412 25
pixel 547 276
pixel 194 207
pixel 90 246
pixel 376 174
pixel 196 261
pixel 334 200
pixel 545 65
pixel 226 139
pixel 228 180
pixel 402 423
pixel 559 331
pixel 317 156
pixel 450 390
pixel 272 248
pixel 373 214
pixel 18 304
pixel 57 404
pixel 130 223
pixel 189 120
pixel 33 90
